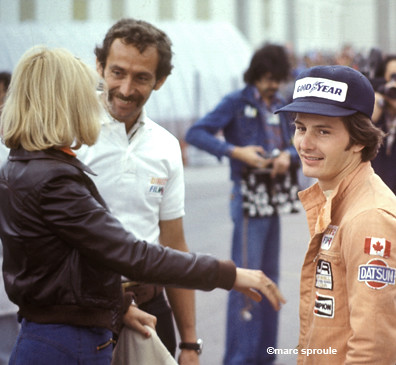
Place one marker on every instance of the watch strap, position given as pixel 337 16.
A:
pixel 196 346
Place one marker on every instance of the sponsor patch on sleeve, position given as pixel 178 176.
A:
pixel 157 186
pixel 377 274
pixel 324 306
pixel 377 247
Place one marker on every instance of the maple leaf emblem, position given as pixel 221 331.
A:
pixel 378 247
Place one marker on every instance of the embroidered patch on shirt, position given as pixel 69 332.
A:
pixel 324 306
pixel 328 236
pixel 377 274
pixel 157 186
pixel 377 246
pixel 250 112
pixel 273 119
pixel 324 276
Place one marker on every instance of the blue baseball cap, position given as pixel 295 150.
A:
pixel 333 91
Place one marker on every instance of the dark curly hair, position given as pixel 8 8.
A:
pixel 141 35
pixel 270 58
pixel 362 131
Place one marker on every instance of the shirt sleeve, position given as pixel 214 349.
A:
pixel 172 204
pixel 203 133
pixel 370 262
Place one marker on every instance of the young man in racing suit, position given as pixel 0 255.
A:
pixel 348 292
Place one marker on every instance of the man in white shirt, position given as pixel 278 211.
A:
pixel 139 167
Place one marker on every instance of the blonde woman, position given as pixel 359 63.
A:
pixel 64 253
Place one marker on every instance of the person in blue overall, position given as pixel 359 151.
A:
pixel 254 140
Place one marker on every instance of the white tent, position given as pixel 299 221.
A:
pixel 209 60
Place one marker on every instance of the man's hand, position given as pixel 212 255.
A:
pixel 281 164
pixel 251 155
pixel 251 282
pixel 136 319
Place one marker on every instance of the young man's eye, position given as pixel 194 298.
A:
pixel 299 129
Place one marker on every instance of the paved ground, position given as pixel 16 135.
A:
pixel 208 229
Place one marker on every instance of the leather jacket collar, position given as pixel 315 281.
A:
pixel 20 154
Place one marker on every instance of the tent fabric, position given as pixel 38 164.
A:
pixel 209 61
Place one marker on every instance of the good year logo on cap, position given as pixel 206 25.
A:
pixel 321 88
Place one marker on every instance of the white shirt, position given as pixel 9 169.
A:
pixel 140 179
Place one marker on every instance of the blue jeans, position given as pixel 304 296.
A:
pixel 59 344
pixel 247 341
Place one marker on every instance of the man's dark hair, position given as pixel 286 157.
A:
pixel 5 79
pixel 362 131
pixel 270 58
pixel 141 35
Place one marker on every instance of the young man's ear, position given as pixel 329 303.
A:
pixel 159 83
pixel 357 148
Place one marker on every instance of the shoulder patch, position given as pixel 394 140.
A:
pixel 377 247
pixel 377 274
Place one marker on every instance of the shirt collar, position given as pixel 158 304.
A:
pixel 139 123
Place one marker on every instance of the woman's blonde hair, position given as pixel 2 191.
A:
pixel 51 102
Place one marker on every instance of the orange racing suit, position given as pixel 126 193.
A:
pixel 347 290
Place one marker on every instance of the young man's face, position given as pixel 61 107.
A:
pixel 130 78
pixel 321 143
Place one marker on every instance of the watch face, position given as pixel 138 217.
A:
pixel 200 344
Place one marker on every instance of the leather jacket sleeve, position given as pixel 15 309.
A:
pixel 86 225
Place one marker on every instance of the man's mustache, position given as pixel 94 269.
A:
pixel 130 98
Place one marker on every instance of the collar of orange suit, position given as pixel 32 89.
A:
pixel 68 151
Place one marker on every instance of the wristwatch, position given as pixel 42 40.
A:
pixel 196 346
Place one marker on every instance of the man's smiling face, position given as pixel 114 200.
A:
pixel 130 77
pixel 322 144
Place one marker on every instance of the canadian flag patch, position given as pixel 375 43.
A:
pixel 377 247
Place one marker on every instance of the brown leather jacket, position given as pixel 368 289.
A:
pixel 64 252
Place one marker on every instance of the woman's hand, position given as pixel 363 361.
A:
pixel 252 282
pixel 136 319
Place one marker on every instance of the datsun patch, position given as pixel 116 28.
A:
pixel 377 274
pixel 328 237
pixel 324 275
pixel 324 306
pixel 377 246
